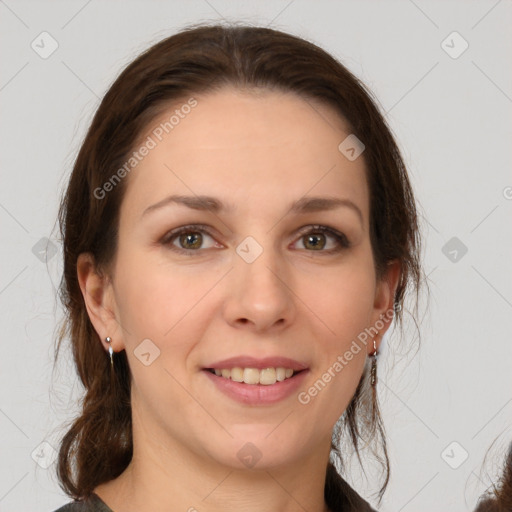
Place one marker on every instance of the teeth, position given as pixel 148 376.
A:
pixel 237 374
pixel 250 375
pixel 266 377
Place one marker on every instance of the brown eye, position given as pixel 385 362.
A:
pixel 315 241
pixel 323 239
pixel 191 240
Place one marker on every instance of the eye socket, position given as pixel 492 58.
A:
pixel 311 233
pixel 194 236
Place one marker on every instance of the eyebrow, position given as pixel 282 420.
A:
pixel 212 204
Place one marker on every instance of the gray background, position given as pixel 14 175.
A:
pixel 452 119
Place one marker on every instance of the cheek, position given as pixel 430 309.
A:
pixel 341 353
pixel 163 305
pixel 343 297
pixel 344 306
pixel 159 302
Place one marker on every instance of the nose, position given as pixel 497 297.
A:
pixel 260 295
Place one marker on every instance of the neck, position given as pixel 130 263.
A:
pixel 158 479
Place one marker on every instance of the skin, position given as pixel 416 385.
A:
pixel 259 151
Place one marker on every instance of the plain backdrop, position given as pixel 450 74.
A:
pixel 441 72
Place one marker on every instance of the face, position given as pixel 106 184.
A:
pixel 261 278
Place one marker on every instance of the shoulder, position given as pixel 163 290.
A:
pixel 93 503
pixel 72 506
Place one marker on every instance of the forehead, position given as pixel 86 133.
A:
pixel 245 146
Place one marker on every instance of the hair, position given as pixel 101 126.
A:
pixel 499 498
pixel 203 59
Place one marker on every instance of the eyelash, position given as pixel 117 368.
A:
pixel 340 238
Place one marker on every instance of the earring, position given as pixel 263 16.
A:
pixel 108 339
pixel 373 370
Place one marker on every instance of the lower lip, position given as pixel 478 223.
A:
pixel 257 394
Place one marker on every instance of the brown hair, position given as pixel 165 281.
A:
pixel 205 58
pixel 499 498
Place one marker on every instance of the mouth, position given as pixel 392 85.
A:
pixel 257 382
pixel 255 376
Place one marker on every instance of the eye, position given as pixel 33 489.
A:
pixel 316 238
pixel 190 239
pixel 187 239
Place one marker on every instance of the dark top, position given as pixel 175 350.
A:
pixel 339 496
pixel 92 504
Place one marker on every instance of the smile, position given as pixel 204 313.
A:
pixel 253 376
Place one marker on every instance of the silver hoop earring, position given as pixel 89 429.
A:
pixel 108 339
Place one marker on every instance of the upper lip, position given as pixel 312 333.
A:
pixel 259 363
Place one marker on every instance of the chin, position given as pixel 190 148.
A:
pixel 257 451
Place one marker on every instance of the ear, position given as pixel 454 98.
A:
pixel 99 299
pixel 383 306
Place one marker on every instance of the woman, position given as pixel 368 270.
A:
pixel 239 233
